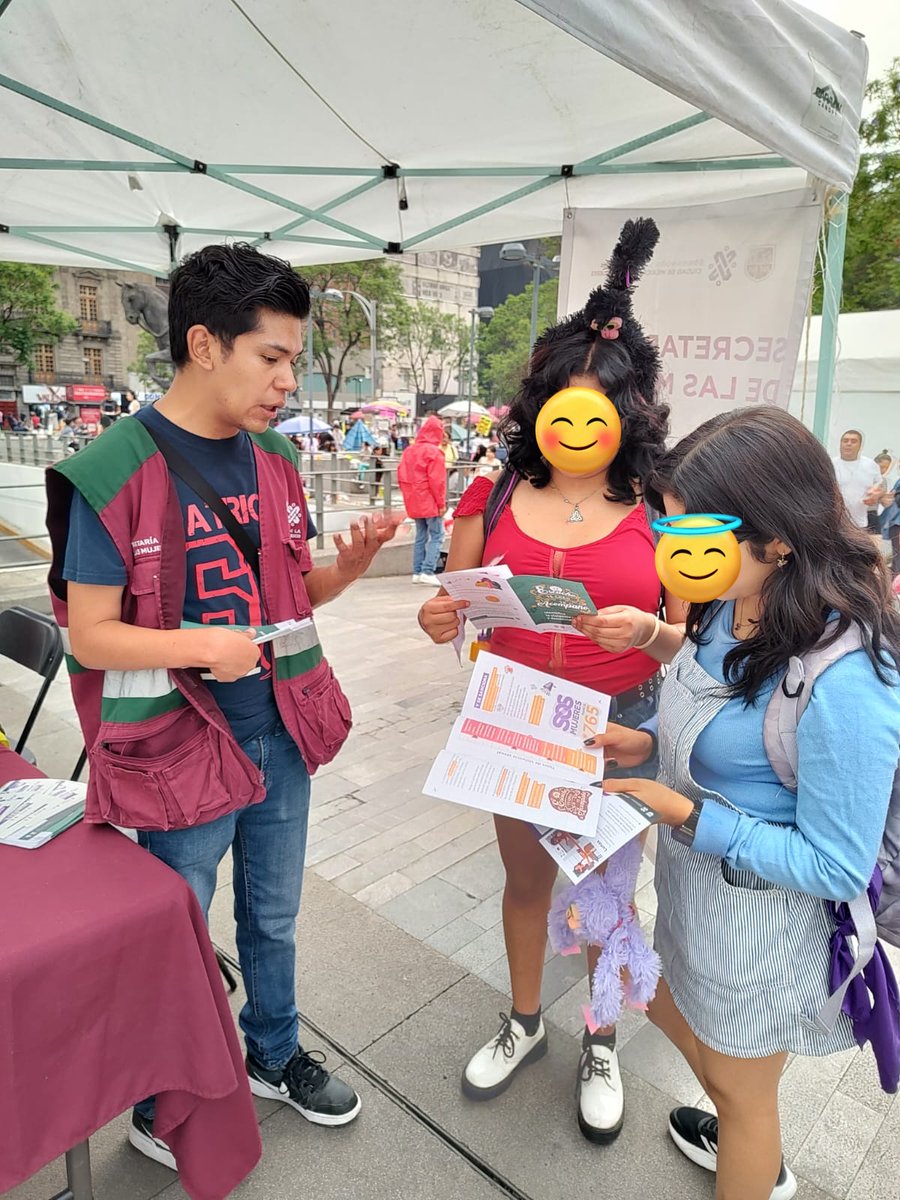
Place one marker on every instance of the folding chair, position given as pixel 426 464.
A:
pixel 33 640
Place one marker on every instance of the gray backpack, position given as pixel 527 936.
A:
pixel 786 707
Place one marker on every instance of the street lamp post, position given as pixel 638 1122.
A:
pixel 516 252
pixel 314 294
pixel 478 314
pixel 368 307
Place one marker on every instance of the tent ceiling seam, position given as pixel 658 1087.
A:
pixel 306 83
pixel 129 266
pixel 193 165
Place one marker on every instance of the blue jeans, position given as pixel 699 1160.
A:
pixel 634 715
pixel 268 845
pixel 429 539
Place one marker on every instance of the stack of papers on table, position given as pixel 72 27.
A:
pixel 33 811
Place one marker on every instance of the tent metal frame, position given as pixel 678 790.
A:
pixel 235 175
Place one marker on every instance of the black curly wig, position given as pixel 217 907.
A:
pixel 624 361
pixel 582 351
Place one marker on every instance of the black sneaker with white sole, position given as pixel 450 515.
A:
pixel 307 1086
pixel 140 1134
pixel 696 1134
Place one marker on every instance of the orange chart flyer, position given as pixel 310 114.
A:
pixel 518 748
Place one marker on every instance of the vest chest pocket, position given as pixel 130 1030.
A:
pixel 142 597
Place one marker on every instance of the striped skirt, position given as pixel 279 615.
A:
pixel 746 961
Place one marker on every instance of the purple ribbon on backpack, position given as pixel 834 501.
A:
pixel 872 1001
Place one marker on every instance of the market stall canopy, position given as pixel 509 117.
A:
pixel 132 135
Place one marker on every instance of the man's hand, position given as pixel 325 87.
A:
pixel 622 747
pixel 367 536
pixel 440 618
pixel 229 654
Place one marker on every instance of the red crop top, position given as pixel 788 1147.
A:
pixel 617 569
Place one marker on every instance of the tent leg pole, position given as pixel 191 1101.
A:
pixel 831 307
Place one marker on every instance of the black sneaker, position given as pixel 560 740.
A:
pixel 307 1086
pixel 140 1134
pixel 696 1134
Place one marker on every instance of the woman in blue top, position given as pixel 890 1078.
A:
pixel 742 874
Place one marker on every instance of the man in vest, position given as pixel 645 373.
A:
pixel 178 537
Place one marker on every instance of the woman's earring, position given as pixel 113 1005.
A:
pixel 781 561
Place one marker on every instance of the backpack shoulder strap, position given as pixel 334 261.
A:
pixel 791 696
pixel 498 499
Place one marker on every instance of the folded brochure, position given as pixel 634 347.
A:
pixel 622 817
pixel 498 599
pixel 33 811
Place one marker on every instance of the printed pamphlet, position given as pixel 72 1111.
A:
pixel 498 599
pixel 32 811
pixel 518 749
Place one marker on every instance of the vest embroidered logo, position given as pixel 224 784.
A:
pixel 294 513
pixel 146 547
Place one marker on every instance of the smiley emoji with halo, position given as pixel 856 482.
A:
pixel 698 557
pixel 578 431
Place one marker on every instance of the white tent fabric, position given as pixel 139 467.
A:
pixel 334 131
pixel 866 392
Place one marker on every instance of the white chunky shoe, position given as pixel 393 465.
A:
pixel 601 1100
pixel 491 1070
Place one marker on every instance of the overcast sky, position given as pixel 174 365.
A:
pixel 879 20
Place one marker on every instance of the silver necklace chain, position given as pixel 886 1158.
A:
pixel 575 517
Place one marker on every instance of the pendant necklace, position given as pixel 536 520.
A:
pixel 739 622
pixel 576 514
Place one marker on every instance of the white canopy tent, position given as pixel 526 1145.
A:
pixel 131 134
pixel 866 380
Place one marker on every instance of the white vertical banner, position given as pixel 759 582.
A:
pixel 724 295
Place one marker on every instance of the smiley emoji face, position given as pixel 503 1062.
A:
pixel 578 431
pixel 698 557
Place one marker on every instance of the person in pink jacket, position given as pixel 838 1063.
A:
pixel 422 476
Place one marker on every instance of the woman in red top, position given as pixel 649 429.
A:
pixel 591 528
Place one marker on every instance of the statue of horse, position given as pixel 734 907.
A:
pixel 149 307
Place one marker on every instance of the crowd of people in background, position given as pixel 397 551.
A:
pixel 871 494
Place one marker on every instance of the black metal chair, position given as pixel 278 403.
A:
pixel 33 640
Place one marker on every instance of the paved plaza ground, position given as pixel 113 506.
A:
pixel 402 975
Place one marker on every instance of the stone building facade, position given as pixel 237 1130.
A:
pixel 100 350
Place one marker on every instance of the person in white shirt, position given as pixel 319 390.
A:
pixel 859 478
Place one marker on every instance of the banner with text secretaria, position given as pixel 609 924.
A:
pixel 724 295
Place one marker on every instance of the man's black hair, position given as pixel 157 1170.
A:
pixel 224 288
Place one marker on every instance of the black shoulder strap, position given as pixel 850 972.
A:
pixel 188 474
pixel 498 499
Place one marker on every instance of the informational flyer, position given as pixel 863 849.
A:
pixel 32 811
pixel 498 599
pixel 264 633
pixel 622 817
pixel 518 749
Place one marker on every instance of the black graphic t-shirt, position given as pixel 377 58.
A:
pixel 221 588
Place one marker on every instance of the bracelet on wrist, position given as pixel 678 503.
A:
pixel 657 628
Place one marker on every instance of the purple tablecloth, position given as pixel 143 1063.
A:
pixel 110 992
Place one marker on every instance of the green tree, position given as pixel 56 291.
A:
pixel 872 258
pixel 153 374
pixel 503 343
pixel 340 327
pixel 28 310
pixel 425 341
